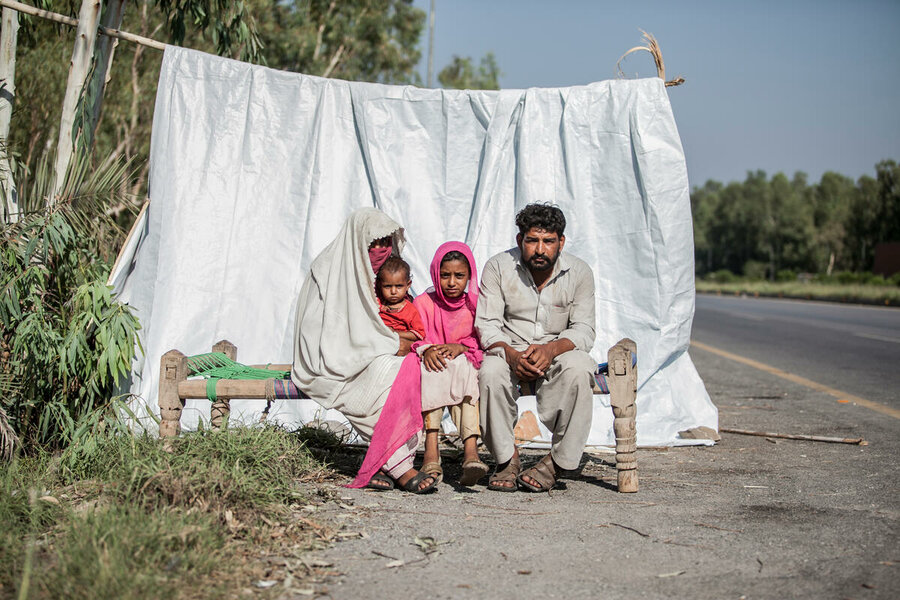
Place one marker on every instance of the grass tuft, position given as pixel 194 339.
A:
pixel 128 552
pixel 243 469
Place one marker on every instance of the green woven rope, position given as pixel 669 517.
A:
pixel 215 366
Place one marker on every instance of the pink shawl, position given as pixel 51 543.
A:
pixel 451 320
pixel 401 415
pixel 400 419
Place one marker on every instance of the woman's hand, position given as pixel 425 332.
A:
pixel 433 358
pixel 405 347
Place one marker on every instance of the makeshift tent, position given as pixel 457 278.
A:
pixel 253 171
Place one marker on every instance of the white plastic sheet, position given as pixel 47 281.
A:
pixel 253 171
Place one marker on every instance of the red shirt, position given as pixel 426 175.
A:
pixel 405 319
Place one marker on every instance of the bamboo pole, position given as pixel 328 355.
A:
pixel 58 18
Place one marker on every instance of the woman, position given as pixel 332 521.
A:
pixel 346 358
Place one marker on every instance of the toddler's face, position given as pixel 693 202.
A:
pixel 454 278
pixel 393 287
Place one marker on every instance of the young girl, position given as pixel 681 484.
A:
pixel 451 356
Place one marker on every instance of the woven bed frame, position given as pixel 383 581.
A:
pixel 175 388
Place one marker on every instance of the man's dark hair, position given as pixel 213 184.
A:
pixel 543 216
pixel 394 264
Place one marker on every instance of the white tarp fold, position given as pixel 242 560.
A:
pixel 253 171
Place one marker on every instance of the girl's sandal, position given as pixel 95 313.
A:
pixel 508 474
pixel 434 469
pixel 543 472
pixel 412 485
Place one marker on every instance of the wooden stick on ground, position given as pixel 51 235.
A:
pixel 797 436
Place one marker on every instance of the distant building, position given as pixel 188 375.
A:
pixel 887 259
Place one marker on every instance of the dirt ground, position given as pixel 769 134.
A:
pixel 748 518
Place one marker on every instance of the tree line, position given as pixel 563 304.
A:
pixel 774 227
pixel 356 40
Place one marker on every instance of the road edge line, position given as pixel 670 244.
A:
pixel 840 395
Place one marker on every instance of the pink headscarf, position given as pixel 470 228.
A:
pixel 451 320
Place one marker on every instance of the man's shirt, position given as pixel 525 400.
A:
pixel 512 310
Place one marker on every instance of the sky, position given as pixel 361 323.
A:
pixel 788 86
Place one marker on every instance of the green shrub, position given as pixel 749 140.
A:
pixel 755 270
pixel 849 277
pixel 786 275
pixel 65 340
pixel 894 279
pixel 872 279
pixel 721 276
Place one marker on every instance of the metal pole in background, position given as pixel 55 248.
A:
pixel 431 45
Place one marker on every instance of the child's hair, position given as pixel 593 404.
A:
pixel 394 264
pixel 457 255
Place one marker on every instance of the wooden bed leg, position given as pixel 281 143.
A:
pixel 220 410
pixel 622 392
pixel 172 370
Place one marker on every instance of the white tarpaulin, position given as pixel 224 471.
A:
pixel 253 171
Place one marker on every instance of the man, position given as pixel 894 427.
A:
pixel 535 317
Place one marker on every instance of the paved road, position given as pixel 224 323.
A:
pixel 750 518
pixel 855 349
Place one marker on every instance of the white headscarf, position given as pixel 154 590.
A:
pixel 338 330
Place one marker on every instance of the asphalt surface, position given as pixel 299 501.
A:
pixel 849 347
pixel 748 518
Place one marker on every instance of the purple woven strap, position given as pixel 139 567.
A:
pixel 286 390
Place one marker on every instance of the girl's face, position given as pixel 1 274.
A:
pixel 454 278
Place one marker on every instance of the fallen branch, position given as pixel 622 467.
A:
pixel 640 533
pixel 797 436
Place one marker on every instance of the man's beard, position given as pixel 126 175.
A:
pixel 546 265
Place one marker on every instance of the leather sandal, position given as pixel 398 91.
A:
pixel 544 472
pixel 472 472
pixel 380 482
pixel 412 485
pixel 434 469
pixel 508 474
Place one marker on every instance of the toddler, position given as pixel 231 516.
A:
pixel 395 306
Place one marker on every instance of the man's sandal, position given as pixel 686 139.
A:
pixel 472 472
pixel 507 475
pixel 412 485
pixel 544 472
pixel 380 482
pixel 434 469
